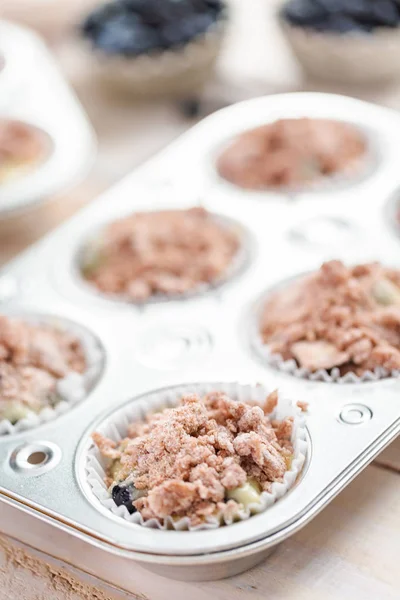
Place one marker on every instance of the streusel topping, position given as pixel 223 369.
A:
pixel 167 252
pixel 196 459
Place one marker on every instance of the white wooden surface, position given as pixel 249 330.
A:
pixel 349 550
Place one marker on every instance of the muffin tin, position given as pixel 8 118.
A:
pixel 205 338
pixel 33 91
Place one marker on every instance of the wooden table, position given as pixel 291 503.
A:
pixel 352 548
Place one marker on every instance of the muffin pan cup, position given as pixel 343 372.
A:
pixel 159 345
pixel 33 91
pixel 290 366
pixel 357 171
pixel 72 388
pixel 115 427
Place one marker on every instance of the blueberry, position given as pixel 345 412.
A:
pixel 385 13
pixel 134 6
pixel 95 20
pixel 341 24
pixel 196 25
pixel 191 108
pixel 204 6
pixel 172 35
pixel 128 38
pixel 158 13
pixel 331 6
pixel 122 497
pixel 132 27
pixel 215 5
pixel 304 12
pixel 357 9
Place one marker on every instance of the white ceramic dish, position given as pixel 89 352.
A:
pixel 349 58
pixel 33 90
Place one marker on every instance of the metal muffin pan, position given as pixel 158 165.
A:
pixel 32 90
pixel 348 424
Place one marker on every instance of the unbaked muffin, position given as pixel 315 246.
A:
pixel 291 153
pixel 160 254
pixel 338 317
pixel 210 456
pixel 33 359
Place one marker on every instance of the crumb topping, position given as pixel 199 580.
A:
pixel 32 359
pixel 186 460
pixel 345 317
pixel 167 252
pixel 291 152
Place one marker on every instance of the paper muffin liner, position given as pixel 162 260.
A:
pixel 115 427
pixel 345 57
pixel 357 171
pixel 290 366
pixel 71 389
pixel 175 72
pixel 238 265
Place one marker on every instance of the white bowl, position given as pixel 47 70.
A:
pixel 178 72
pixel 346 57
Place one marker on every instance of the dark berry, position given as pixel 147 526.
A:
pixel 343 16
pixel 133 27
pixel 126 36
pixel 97 18
pixel 304 12
pixel 196 25
pixel 341 24
pixel 135 6
pixel 122 497
pixel 191 108
pixel 172 35
pixel 385 13
pixel 215 5
pixel 357 9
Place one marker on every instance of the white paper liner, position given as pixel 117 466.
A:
pixel 239 263
pixel 115 427
pixel 73 388
pixel 359 170
pixel 291 367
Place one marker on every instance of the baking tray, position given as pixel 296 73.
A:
pixel 33 90
pixel 206 338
